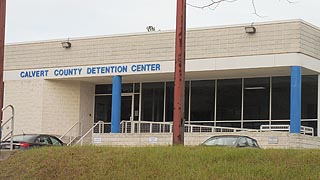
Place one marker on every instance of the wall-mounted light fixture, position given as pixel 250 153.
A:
pixel 66 44
pixel 250 29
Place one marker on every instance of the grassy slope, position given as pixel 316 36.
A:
pixel 161 163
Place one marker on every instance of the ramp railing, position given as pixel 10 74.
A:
pixel 303 129
pixel 10 119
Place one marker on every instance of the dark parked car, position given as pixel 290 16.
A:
pixel 27 141
pixel 232 141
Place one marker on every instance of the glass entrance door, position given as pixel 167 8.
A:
pixel 126 107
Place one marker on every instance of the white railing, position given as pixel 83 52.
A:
pixel 102 127
pixel 72 137
pixel 88 132
pixel 191 128
pixel 146 127
pixel 166 127
pixel 303 130
pixel 275 128
pixel 10 133
pixel 307 130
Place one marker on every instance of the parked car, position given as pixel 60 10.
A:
pixel 232 141
pixel 27 141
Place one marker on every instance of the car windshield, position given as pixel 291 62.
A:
pixel 221 141
pixel 23 138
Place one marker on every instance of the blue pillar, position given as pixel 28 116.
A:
pixel 116 104
pixel 295 100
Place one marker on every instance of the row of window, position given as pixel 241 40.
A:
pixel 266 98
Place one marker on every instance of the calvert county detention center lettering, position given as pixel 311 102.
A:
pixel 91 70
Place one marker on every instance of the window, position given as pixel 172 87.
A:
pixel 102 109
pixel 280 98
pixel 104 89
pixel 256 99
pixel 45 140
pixel 55 142
pixel 152 101
pixel 169 101
pixel 202 100
pixel 127 88
pixel 309 97
pixel 243 142
pixel 229 99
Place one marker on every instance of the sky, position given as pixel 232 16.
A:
pixel 35 20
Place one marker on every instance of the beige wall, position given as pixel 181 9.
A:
pixel 50 106
pixel 86 113
pixel 310 40
pixel 61 103
pixel 265 139
pixel 27 99
pixel 271 38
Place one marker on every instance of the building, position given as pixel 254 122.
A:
pixel 233 79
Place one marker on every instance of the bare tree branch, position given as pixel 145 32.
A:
pixel 255 9
pixel 213 5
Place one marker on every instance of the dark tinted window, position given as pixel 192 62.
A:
pixel 256 98
pixel 280 98
pixel 202 100
pixel 229 99
pixel 102 109
pixel 309 97
pixel 104 89
pixel 152 101
pixel 127 88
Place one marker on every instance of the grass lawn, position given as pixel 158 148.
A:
pixel 92 162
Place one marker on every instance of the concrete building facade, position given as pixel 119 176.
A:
pixel 233 78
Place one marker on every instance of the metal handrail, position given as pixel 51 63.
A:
pixel 12 124
pixel 307 130
pixel 303 129
pixel 71 128
pixel 188 127
pixel 90 130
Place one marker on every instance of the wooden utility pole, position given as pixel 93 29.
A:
pixel 2 35
pixel 179 74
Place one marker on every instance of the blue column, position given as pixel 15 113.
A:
pixel 116 104
pixel 295 100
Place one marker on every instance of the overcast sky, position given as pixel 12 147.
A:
pixel 33 20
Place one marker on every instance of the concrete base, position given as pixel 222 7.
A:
pixel 278 140
pixel 4 154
